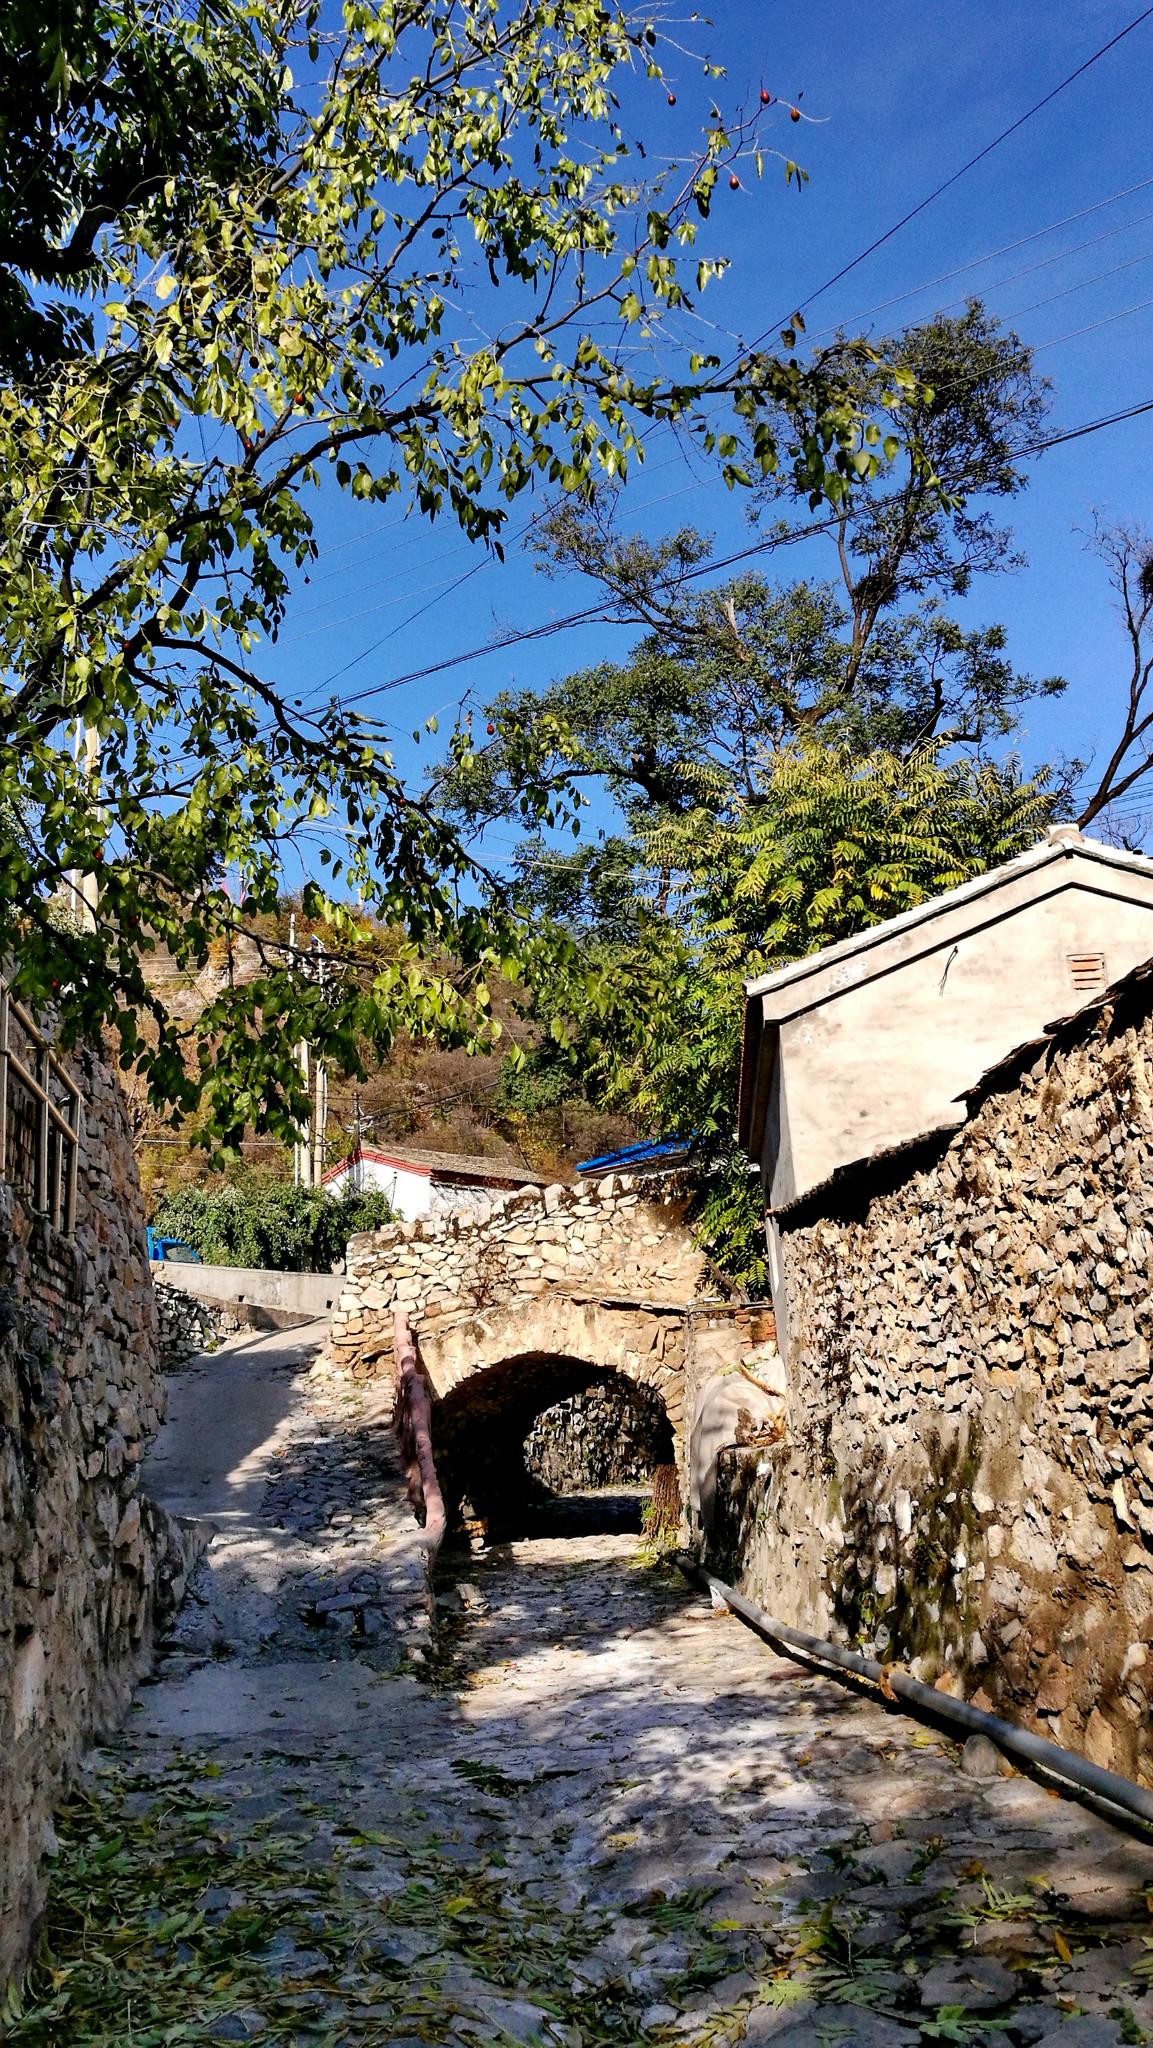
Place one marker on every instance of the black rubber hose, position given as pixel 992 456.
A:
pixel 1060 1763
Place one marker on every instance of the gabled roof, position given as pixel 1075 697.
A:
pixel 468 1167
pixel 1063 860
pixel 1040 871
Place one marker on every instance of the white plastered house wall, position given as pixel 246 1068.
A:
pixel 428 1183
pixel 872 1044
pixel 407 1188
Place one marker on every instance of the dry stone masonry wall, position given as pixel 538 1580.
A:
pixel 186 1326
pixel 603 1239
pixel 86 1561
pixel 967 1482
pixel 610 1435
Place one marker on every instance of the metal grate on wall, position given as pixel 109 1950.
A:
pixel 1087 972
pixel 41 1117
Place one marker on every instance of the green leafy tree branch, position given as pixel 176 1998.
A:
pixel 828 844
pixel 219 288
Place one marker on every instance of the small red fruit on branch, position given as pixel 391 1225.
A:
pixel 794 113
pixel 734 183
pixel 766 98
pixel 490 729
pixel 672 99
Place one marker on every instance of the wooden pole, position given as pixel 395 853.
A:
pixel 412 1420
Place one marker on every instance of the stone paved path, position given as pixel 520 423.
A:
pixel 593 1812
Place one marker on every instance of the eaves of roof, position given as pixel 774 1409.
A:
pixel 1002 1074
pixel 469 1166
pixel 871 952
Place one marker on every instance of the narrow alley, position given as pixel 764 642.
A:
pixel 585 1809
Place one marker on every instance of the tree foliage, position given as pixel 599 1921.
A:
pixel 871 661
pixel 972 406
pixel 828 844
pixel 833 842
pixel 1127 551
pixel 270 1223
pixel 109 111
pixel 219 290
pixel 789 762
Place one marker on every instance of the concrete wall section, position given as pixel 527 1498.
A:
pixel 302 1294
pixel 966 1483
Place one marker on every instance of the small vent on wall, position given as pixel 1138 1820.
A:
pixel 1087 972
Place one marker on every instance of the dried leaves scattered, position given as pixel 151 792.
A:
pixel 186 1909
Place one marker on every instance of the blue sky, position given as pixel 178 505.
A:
pixel 899 96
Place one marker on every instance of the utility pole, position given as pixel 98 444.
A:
pixel 83 894
pixel 302 1153
pixel 320 1103
pixel 303 1172
pixel 308 1162
pixel 319 1124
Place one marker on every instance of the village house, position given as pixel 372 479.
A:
pixel 953 1118
pixel 872 1044
pixel 418 1183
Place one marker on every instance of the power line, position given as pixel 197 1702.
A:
pixel 444 587
pixel 956 175
pixel 409 621
pixel 438 598
pixel 1112 419
pixel 1006 249
pixel 593 612
pixel 450 586
pixel 596 612
pixel 1083 286
pixel 1030 270
pixel 1107 321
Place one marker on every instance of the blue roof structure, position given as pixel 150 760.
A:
pixel 662 1154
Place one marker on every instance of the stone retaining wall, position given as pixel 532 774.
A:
pixel 188 1324
pixel 86 1562
pixel 606 1238
pixel 967 1482
pixel 185 1327
pixel 610 1435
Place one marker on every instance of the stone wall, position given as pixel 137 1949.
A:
pixel 86 1562
pixel 189 1323
pixel 605 1238
pixel 967 1480
pixel 610 1435
pixel 186 1326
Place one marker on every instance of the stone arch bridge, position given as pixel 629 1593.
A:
pixel 533 1298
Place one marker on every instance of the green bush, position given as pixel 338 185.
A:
pixel 270 1224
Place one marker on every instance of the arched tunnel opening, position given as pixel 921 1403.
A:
pixel 542 1439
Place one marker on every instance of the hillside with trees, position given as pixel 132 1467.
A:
pixel 439 1098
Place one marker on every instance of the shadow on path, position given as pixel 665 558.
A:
pixel 611 1820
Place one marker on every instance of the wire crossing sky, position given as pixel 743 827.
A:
pixel 941 143
pixel 963 171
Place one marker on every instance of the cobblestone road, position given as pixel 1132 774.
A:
pixel 596 1812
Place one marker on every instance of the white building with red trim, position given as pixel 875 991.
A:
pixel 417 1183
